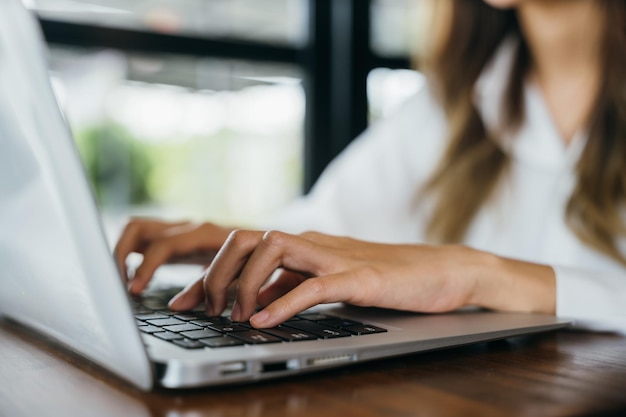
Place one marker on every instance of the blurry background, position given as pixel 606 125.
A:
pixel 221 110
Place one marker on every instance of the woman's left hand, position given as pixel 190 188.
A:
pixel 318 268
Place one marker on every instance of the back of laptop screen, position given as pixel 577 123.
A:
pixel 56 272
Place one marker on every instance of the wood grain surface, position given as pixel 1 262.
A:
pixel 563 373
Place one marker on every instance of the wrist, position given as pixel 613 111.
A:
pixel 510 285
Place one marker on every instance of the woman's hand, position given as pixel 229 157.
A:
pixel 161 242
pixel 323 269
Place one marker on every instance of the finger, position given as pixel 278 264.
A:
pixel 133 239
pixel 189 297
pixel 177 243
pixel 322 239
pixel 275 250
pixel 127 243
pixel 285 282
pixel 226 267
pixel 158 253
pixel 195 258
pixel 314 291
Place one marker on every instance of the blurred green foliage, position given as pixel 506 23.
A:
pixel 225 176
pixel 117 164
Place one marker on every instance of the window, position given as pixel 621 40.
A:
pixel 221 109
pixel 179 136
pixel 394 32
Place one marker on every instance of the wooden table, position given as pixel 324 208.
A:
pixel 552 374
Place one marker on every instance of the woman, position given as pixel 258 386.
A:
pixel 515 149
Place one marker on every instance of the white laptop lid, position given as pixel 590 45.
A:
pixel 55 272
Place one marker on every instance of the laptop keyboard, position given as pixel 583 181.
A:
pixel 196 330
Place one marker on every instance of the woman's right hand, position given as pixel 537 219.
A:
pixel 162 242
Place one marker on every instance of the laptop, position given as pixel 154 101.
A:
pixel 58 276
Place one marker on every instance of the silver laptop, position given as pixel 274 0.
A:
pixel 57 275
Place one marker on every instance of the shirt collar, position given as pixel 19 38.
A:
pixel 537 141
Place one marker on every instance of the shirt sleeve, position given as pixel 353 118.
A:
pixel 595 300
pixel 367 192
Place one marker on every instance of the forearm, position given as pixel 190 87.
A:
pixel 510 285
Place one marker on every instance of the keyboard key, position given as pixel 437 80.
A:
pixel 255 337
pixel 315 316
pixel 201 322
pixel 170 321
pixel 150 329
pixel 167 335
pixel 188 344
pixel 218 342
pixel 228 328
pixel 139 309
pixel 201 315
pixel 215 322
pixel 339 322
pixel 289 334
pixel 216 319
pixel 201 334
pixel 150 316
pixel 186 316
pixel 365 329
pixel 187 327
pixel 319 330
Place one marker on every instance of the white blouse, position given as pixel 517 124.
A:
pixel 369 191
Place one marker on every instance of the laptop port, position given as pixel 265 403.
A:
pixel 330 360
pixel 274 366
pixel 231 368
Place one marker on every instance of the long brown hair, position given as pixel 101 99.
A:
pixel 595 209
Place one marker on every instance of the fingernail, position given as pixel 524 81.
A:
pixel 175 299
pixel 134 286
pixel 259 318
pixel 235 314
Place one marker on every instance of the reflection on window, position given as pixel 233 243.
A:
pixel 214 140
